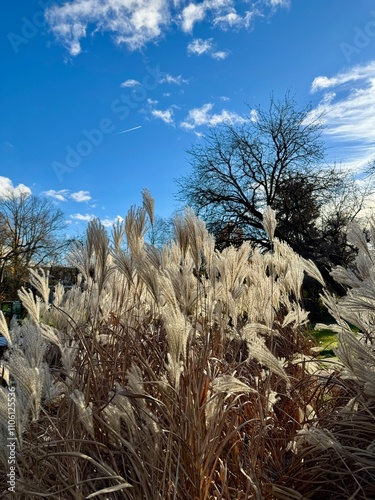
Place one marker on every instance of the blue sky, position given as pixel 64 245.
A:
pixel 102 98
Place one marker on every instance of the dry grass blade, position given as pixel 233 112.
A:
pixel 104 491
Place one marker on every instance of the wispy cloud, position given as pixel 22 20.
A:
pixel 280 3
pixel 354 74
pixel 166 116
pixel 137 23
pixel 220 55
pixel 130 83
pixel 108 222
pixel 82 217
pixel 7 189
pixel 199 46
pixel 61 195
pixel 178 80
pixel 202 116
pixel 347 111
pixel 65 194
pixel 131 23
pixel 80 196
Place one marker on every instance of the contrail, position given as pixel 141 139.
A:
pixel 129 130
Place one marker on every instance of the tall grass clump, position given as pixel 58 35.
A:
pixel 335 457
pixel 175 373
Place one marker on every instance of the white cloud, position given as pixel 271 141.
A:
pixel 199 46
pixel 280 3
pixel 191 14
pixel 64 194
pixel 57 195
pixel 354 74
pixel 229 20
pixel 178 80
pixel 130 83
pixel 132 23
pixel 107 222
pixel 202 117
pixel 347 112
pixel 254 115
pixel 220 55
pixel 166 116
pixel 80 196
pixel 136 23
pixel 7 189
pixel 82 217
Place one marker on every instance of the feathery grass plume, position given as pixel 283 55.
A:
pixel 252 330
pixel 181 234
pixel 358 359
pixel 81 256
pixel 296 315
pixel 84 410
pixel 124 263
pixel 320 439
pixel 230 385
pixel 225 385
pixel 262 354
pixel 4 329
pixel 335 457
pixel 149 205
pixel 40 280
pixel 31 303
pixel 136 387
pixel 30 383
pixel 99 241
pixel 177 330
pixel 118 233
pixel 161 359
pixel 269 222
pixel 58 294
pixel 53 389
pixel 135 229
pixel 311 269
pixel 197 235
pixel 357 237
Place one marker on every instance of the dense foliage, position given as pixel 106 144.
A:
pixel 188 373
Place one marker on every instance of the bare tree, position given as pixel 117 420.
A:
pixel 275 159
pixel 29 234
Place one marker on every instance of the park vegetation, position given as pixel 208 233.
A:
pixel 188 372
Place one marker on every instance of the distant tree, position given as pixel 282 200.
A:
pixel 161 231
pixel 29 235
pixel 275 159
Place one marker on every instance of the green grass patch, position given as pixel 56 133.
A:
pixel 327 341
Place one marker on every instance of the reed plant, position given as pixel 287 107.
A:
pixel 179 373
